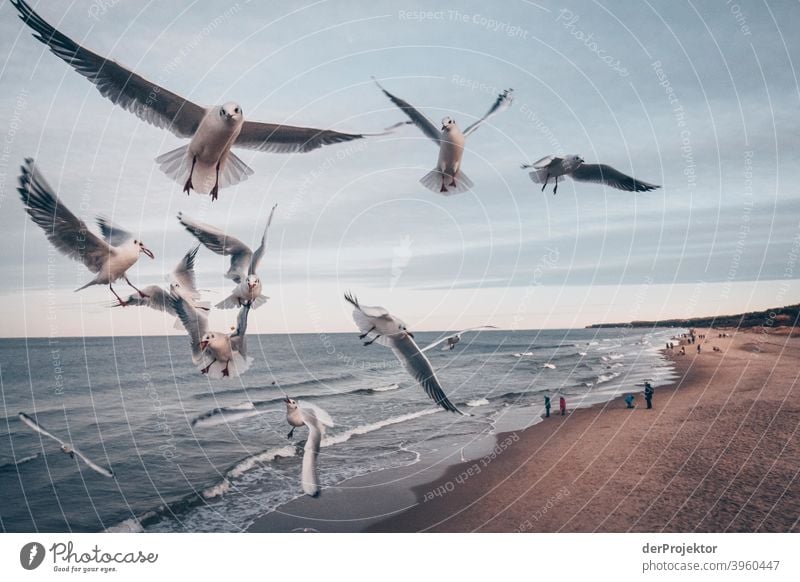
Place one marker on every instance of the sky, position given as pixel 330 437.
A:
pixel 701 98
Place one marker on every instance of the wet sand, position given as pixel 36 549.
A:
pixel 718 452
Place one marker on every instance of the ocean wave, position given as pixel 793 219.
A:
pixel 549 366
pixel 478 402
pixel 602 378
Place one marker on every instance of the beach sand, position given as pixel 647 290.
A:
pixel 718 452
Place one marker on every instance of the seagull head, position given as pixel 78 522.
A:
pixel 144 249
pixel 577 160
pixel 206 340
pixel 252 281
pixel 66 449
pixel 291 403
pixel 404 328
pixel 447 123
pixel 231 112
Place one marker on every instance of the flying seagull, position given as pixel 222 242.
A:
pixel 206 163
pixel 181 282
pixel 390 331
pixel 555 168
pixel 244 261
pixel 447 178
pixel 109 257
pixel 66 448
pixel 317 420
pixel 451 340
pixel 218 354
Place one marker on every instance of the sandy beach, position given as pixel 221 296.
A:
pixel 718 452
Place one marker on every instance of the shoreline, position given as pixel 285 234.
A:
pixel 716 453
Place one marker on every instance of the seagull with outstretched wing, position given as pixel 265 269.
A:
pixel 244 261
pixel 66 448
pixel 108 257
pixel 317 421
pixel 391 332
pixel 447 178
pixel 206 164
pixel 451 340
pixel 217 354
pixel 556 167
pixel 182 281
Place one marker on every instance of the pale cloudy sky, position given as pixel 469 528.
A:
pixel 701 98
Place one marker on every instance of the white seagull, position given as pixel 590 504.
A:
pixel 390 331
pixel 451 340
pixel 109 257
pixel 206 164
pixel 447 178
pixel 317 420
pixel 218 354
pixel 181 282
pixel 555 168
pixel 66 448
pixel 244 261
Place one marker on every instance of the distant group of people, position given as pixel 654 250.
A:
pixel 562 405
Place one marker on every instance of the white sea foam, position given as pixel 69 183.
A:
pixel 478 402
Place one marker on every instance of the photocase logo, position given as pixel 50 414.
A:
pixel 402 254
pixel 31 555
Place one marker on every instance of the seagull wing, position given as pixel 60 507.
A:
pixel 452 335
pixel 502 103
pixel 418 366
pixel 124 88
pixel 260 250
pixel 38 428
pixel 184 275
pixel 194 321
pixel 93 465
pixel 157 298
pixel 286 139
pixel 609 176
pixel 312 412
pixel 542 163
pixel 238 336
pixel 217 241
pixel 419 119
pixel 114 235
pixel 67 232
pixel 309 478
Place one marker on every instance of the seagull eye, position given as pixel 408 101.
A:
pixel 236 110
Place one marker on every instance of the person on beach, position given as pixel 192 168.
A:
pixel 546 406
pixel 698 348
pixel 648 394
pixel 629 400
pixel 562 404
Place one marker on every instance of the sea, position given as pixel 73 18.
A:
pixel 132 404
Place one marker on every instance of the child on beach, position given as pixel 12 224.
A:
pixel 562 404
pixel 629 400
pixel 546 406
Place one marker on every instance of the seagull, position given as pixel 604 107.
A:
pixel 66 448
pixel 451 340
pixel 555 168
pixel 218 354
pixel 447 178
pixel 206 163
pixel 244 261
pixel 317 420
pixel 393 333
pixel 181 282
pixel 109 257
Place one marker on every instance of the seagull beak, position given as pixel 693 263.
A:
pixel 411 334
pixel 203 344
pixel 148 252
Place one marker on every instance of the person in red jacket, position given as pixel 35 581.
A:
pixel 562 404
